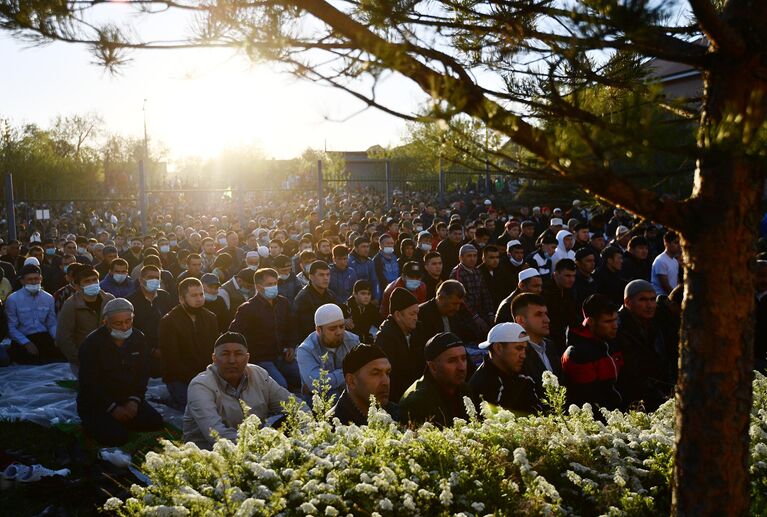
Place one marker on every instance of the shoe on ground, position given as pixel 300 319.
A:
pixel 12 473
pixel 37 472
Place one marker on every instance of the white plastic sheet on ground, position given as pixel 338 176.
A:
pixel 30 393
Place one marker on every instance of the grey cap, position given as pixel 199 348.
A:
pixel 116 305
pixel 210 279
pixel 467 248
pixel 635 287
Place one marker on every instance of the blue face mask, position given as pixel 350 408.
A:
pixel 121 334
pixel 91 290
pixel 152 285
pixel 33 288
pixel 412 285
pixel 271 292
pixel 50 251
pixel 245 292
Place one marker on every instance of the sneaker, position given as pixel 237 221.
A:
pixel 37 472
pixel 117 457
pixel 12 473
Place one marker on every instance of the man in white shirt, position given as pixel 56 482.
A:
pixel 665 267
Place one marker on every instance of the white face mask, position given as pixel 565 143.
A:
pixel 253 267
pixel 388 250
pixel 425 247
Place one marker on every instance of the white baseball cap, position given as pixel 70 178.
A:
pixel 505 333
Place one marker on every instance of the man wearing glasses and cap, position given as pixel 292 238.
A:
pixel 499 380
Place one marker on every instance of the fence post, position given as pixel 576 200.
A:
pixel 487 177
pixel 389 190
pixel 10 207
pixel 320 196
pixel 142 199
pixel 442 183
pixel 241 202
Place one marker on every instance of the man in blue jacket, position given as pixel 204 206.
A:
pixel 342 277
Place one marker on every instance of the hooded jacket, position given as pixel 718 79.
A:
pixel 561 252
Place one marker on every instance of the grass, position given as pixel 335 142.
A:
pixel 91 481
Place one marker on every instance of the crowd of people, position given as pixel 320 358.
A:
pixel 417 306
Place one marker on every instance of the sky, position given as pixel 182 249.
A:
pixel 198 102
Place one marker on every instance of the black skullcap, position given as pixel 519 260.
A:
pixel 361 355
pixel 401 299
pixel 581 226
pixel 29 269
pixel 281 261
pixel 440 343
pixel 584 252
pixel 231 337
pixel 412 269
pixel 549 239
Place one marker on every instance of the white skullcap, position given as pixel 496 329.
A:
pixel 263 251
pixel 576 202
pixel 424 233
pixel 252 254
pixel 528 273
pixel 621 230
pixel 488 202
pixel 556 221
pixel 513 243
pixel 32 260
pixel 328 313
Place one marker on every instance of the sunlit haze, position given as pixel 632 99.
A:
pixel 198 102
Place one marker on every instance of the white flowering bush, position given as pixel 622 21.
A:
pixel 566 462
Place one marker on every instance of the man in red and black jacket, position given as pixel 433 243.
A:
pixel 591 364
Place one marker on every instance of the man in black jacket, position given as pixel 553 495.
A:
pixel 267 324
pixel 608 278
pixel 543 354
pixel 315 294
pixel 449 248
pixel 150 304
pixel 585 262
pixel 113 375
pixel 186 335
pixel 636 264
pixel 644 379
pixel 530 281
pixel 560 301
pixel 447 313
pixel 367 372
pixel 498 282
pixel 499 380
pixel 396 339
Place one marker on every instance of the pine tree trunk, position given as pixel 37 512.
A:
pixel 714 394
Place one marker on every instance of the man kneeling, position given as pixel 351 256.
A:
pixel 367 372
pixel 114 371
pixel 214 396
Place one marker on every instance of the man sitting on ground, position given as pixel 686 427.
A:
pixel 215 395
pixel 367 372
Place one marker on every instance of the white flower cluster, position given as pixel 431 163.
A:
pixel 563 463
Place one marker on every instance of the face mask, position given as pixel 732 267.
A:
pixel 121 334
pixel 119 277
pixel 425 247
pixel 306 249
pixel 152 285
pixel 174 243
pixel 253 267
pixel 388 250
pixel 210 297
pixel 419 228
pixel 245 292
pixel 164 248
pixel 91 290
pixel 481 244
pixel 271 292
pixel 412 285
pixel 222 242
pixel 284 277
pixel 81 250
pixel 50 251
pixel 66 268
pixel 307 268
pixel 32 288
pixel 516 262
